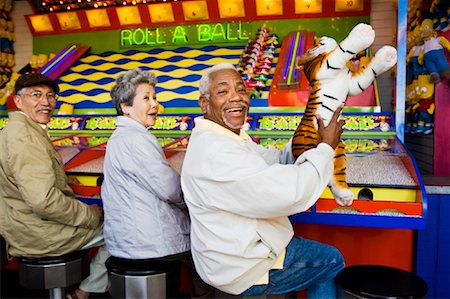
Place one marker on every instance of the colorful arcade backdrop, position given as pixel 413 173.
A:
pixel 178 41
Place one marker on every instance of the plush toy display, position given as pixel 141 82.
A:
pixel 440 11
pixel 425 106
pixel 7 39
pixel 42 60
pixel 9 89
pixel 331 82
pixel 411 107
pixel 416 47
pixel 433 55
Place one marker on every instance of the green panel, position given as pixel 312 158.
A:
pixel 104 41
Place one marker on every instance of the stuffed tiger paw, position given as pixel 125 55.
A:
pixel 384 59
pixel 342 195
pixel 325 67
pixel 362 36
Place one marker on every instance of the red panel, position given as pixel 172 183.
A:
pixel 250 9
pixel 213 10
pixel 55 23
pixel 365 98
pixel 441 132
pixel 83 19
pixel 113 18
pixel 372 206
pixel 86 190
pixel 145 15
pixel 250 15
pixel 294 96
pixel 85 156
pixel 178 13
pixel 441 159
pixel 362 246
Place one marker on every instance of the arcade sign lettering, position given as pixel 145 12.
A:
pixel 204 33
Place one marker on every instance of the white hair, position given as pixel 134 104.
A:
pixel 204 80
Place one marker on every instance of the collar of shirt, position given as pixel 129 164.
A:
pixel 125 121
pixel 206 125
pixel 45 127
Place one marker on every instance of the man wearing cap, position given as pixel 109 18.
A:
pixel 39 215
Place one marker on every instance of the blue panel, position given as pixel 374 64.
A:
pixel 359 220
pixel 400 90
pixel 90 200
pixel 427 246
pixel 443 267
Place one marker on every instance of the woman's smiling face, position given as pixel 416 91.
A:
pixel 145 106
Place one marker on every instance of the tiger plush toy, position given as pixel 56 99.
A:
pixel 325 67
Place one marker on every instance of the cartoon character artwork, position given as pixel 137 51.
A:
pixel 412 59
pixel 425 109
pixel 432 55
pixel 411 107
pixel 331 82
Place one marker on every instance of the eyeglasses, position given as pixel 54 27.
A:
pixel 37 95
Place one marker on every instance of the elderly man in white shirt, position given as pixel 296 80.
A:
pixel 145 215
pixel 240 195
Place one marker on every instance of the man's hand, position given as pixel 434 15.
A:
pixel 72 180
pixel 331 134
pixel 97 210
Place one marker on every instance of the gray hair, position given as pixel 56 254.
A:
pixel 125 89
pixel 204 80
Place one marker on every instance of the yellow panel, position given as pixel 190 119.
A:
pixel 308 6
pixel 381 194
pixel 231 8
pixel 86 180
pixel 41 23
pixel 68 20
pixel 269 7
pixel 128 15
pixel 161 12
pixel 349 5
pixel 98 18
pixel 195 10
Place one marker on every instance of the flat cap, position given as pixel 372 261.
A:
pixel 29 80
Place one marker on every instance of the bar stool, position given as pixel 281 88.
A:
pixel 3 252
pixel 54 273
pixel 221 295
pixel 374 281
pixel 145 278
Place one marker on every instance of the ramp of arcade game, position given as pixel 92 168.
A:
pixel 83 156
pixel 63 60
pixel 56 66
pixel 386 185
pixel 290 86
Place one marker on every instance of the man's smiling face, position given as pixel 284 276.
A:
pixel 228 102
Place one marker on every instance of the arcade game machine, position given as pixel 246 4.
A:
pixel 178 40
pixel 379 227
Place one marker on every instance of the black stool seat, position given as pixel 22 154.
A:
pixel 140 267
pixel 373 281
pixel 222 295
pixel 54 272
pixel 51 260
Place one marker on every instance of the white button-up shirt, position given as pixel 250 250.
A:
pixel 239 196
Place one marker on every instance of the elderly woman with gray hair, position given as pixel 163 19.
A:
pixel 141 192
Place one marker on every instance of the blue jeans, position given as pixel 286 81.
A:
pixel 308 265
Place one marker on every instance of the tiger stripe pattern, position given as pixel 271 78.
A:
pixel 331 81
